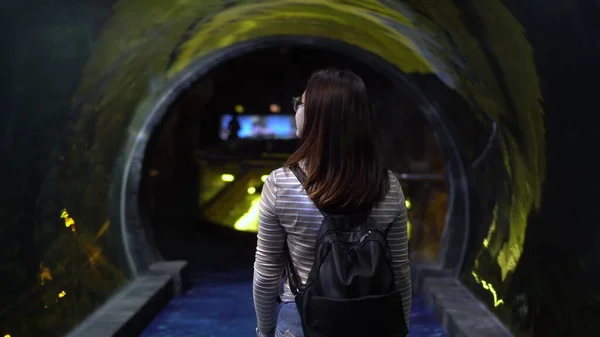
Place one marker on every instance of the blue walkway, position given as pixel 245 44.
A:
pixel 220 305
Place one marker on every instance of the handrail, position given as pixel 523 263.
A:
pixel 254 162
pixel 419 176
pixel 264 160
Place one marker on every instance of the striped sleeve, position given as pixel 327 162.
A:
pixel 398 242
pixel 269 260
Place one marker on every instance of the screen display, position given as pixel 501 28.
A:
pixel 258 127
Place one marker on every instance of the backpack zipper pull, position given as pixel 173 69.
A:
pixel 362 238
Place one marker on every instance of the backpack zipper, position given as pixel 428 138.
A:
pixel 362 238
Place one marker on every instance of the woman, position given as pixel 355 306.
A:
pixel 340 156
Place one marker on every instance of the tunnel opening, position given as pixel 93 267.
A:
pixel 196 180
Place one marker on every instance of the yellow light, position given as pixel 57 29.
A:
pixel 6 335
pixel 45 275
pixel 408 229
pixel 249 221
pixel 62 294
pixel 103 229
pixel 488 286
pixel 239 108
pixel 69 221
pixel 408 204
pixel 275 108
pixel 227 177
pixel 264 178
pixel 251 190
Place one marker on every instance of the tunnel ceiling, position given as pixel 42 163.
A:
pixel 279 74
pixel 507 92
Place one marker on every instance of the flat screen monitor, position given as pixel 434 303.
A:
pixel 258 127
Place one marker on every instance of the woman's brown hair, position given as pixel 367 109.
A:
pixel 339 144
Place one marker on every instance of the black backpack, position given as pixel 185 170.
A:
pixel 350 291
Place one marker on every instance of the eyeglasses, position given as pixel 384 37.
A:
pixel 297 103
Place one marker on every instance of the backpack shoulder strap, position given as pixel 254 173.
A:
pixel 388 228
pixel 299 173
pixel 293 277
pixel 291 272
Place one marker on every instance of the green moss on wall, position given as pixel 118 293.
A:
pixel 522 146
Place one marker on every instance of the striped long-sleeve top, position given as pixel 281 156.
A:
pixel 287 213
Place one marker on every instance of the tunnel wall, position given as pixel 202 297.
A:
pixel 551 291
pixel 60 257
pixel 77 73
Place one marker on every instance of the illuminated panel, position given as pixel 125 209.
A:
pixel 249 221
pixel 227 177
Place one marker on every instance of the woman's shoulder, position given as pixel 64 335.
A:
pixel 281 175
pixel 393 202
pixel 282 181
pixel 278 172
pixel 395 190
pixel 393 179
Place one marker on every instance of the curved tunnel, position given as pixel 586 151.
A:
pixel 116 145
